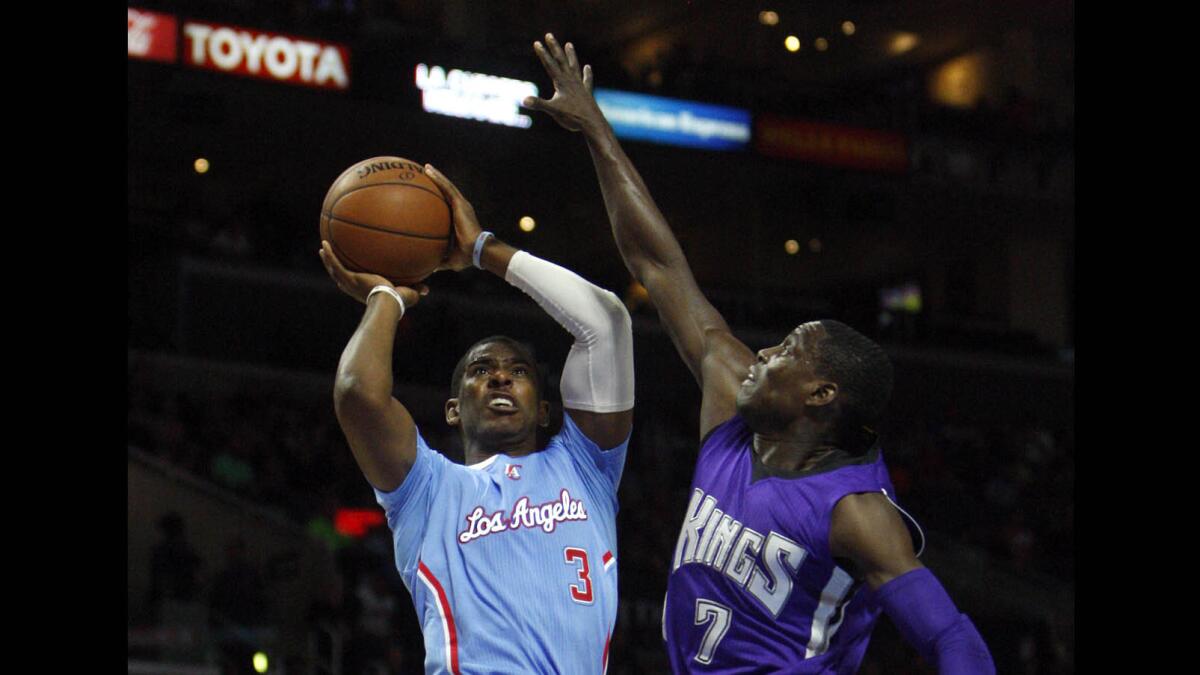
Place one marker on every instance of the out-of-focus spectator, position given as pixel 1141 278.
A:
pixel 174 568
pixel 238 609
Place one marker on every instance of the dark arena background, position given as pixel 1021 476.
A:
pixel 904 167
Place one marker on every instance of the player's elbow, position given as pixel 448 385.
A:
pixel 354 394
pixel 617 314
pixel 606 320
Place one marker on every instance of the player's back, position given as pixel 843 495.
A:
pixel 511 562
pixel 754 587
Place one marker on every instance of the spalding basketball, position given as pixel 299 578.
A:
pixel 385 216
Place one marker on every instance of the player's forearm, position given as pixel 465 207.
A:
pixel 642 234
pixel 364 372
pixel 928 619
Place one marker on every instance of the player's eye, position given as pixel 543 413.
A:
pixel 520 371
pixel 479 370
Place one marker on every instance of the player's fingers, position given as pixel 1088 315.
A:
pixel 535 103
pixel 336 269
pixel 448 189
pixel 547 61
pixel 587 78
pixel 555 50
pixel 572 60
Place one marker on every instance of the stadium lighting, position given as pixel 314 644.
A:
pixel 768 18
pixel 821 44
pixel 200 165
pixel 791 246
pixel 902 42
pixel 527 224
pixel 792 43
pixel 848 27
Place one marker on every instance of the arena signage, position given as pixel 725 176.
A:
pixel 267 56
pixel 475 96
pixel 152 36
pixel 675 122
pixel 833 144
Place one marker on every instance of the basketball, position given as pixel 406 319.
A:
pixel 385 216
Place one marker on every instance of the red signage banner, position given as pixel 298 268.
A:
pixel 833 144
pixel 269 56
pixel 152 36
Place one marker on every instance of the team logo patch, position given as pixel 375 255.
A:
pixel 513 471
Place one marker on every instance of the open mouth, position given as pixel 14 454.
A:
pixel 502 404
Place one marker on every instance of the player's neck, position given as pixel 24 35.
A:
pixel 797 451
pixel 477 451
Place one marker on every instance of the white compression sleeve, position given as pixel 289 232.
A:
pixel 598 374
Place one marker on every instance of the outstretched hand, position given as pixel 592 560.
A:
pixel 466 224
pixel 358 284
pixel 572 105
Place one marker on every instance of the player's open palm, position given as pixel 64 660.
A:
pixel 572 105
pixel 358 284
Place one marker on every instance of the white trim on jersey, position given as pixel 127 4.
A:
pixel 484 464
pixel 831 597
pixel 921 548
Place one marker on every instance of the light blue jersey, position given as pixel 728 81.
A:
pixel 511 562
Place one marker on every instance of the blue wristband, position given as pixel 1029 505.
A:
pixel 479 242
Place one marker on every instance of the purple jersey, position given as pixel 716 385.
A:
pixel 754 587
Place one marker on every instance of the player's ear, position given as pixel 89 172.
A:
pixel 452 416
pixel 822 393
pixel 543 413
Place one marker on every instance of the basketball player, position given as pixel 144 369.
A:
pixel 510 559
pixel 791 545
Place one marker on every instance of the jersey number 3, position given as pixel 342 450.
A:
pixel 581 594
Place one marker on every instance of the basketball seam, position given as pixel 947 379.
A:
pixel 439 195
pixel 376 228
pixel 340 253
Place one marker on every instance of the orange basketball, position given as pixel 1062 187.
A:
pixel 385 216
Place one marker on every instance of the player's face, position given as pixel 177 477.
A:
pixel 498 400
pixel 782 377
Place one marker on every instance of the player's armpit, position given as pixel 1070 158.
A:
pixel 867 529
pixel 606 430
pixel 725 365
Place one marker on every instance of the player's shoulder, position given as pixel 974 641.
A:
pixel 732 433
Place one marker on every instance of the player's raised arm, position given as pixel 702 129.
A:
pixel 867 530
pixel 380 431
pixel 597 381
pixel 653 255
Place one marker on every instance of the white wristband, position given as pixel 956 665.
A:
pixel 390 291
pixel 479 242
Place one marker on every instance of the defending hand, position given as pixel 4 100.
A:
pixel 572 105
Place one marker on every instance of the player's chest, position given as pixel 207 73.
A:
pixel 518 498
pixel 759 544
